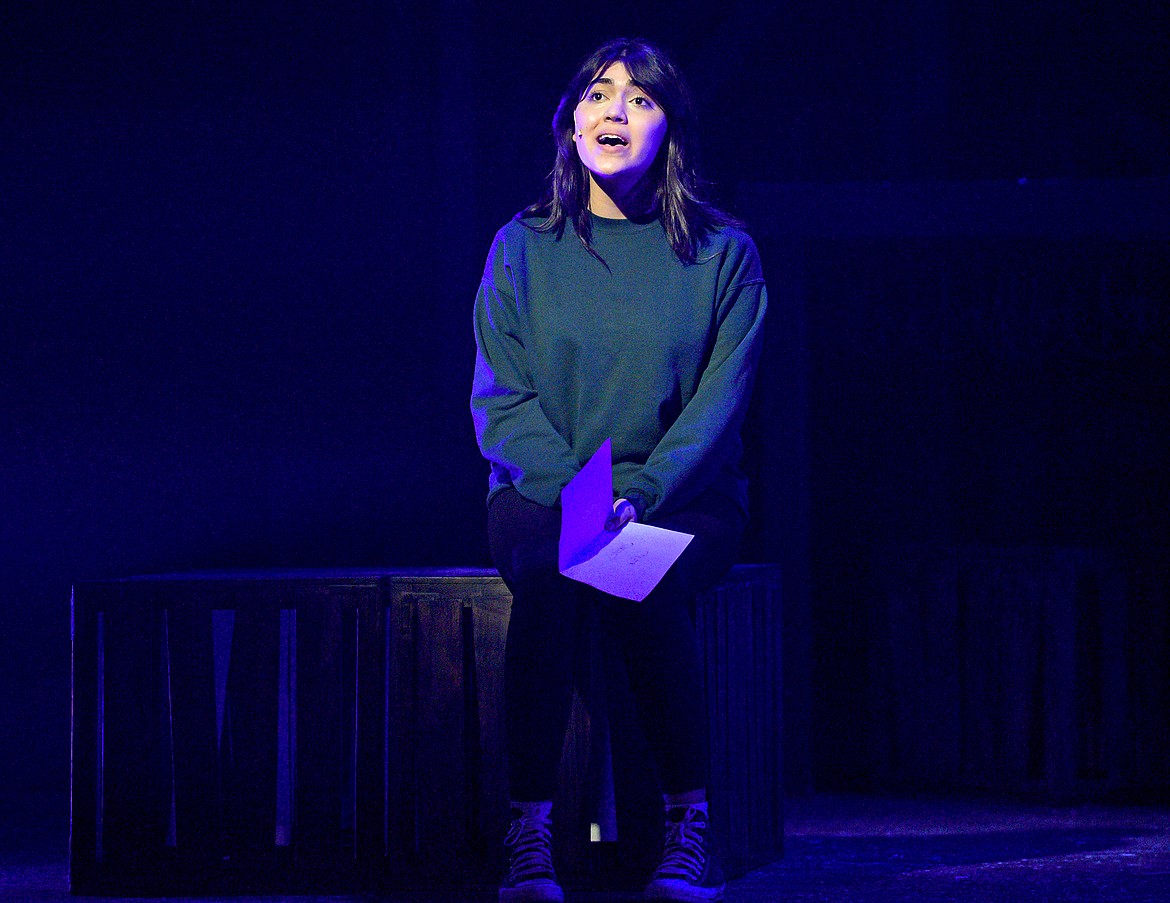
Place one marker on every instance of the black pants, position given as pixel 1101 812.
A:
pixel 663 659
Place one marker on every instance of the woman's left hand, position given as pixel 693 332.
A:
pixel 623 513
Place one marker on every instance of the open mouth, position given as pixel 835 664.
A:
pixel 612 141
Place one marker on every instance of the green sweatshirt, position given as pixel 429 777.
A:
pixel 656 354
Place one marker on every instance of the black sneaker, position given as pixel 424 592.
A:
pixel 688 871
pixel 531 878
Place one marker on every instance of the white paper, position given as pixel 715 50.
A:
pixel 628 563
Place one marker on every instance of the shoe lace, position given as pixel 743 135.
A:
pixel 530 841
pixel 682 849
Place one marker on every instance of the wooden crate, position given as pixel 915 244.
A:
pixel 447 798
pixel 446 789
pixel 218 743
pixel 342 731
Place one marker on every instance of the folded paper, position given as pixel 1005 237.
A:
pixel 628 563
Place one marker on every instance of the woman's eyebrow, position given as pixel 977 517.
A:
pixel 609 83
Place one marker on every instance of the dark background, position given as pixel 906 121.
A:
pixel 239 245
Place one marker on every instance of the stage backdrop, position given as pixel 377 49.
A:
pixel 238 251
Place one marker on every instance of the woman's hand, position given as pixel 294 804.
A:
pixel 623 513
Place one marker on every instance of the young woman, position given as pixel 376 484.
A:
pixel 622 306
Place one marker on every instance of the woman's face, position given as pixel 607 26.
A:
pixel 619 129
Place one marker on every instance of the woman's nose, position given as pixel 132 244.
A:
pixel 616 110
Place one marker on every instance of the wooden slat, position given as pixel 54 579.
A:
pixel 723 743
pixel 317 821
pixel 490 628
pixel 250 785
pixel 371 690
pixel 739 711
pixel 286 727
pixel 134 818
pixel 712 636
pixel 400 734
pixel 759 702
pixel 198 823
pixel 724 764
pixel 89 601
pixel 440 834
pixel 737 626
pixel 772 844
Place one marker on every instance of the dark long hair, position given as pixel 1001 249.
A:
pixel 679 197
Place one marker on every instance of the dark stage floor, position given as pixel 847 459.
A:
pixel 841 849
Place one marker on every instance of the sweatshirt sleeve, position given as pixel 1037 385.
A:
pixel 514 435
pixel 705 437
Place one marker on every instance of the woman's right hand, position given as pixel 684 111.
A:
pixel 623 513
